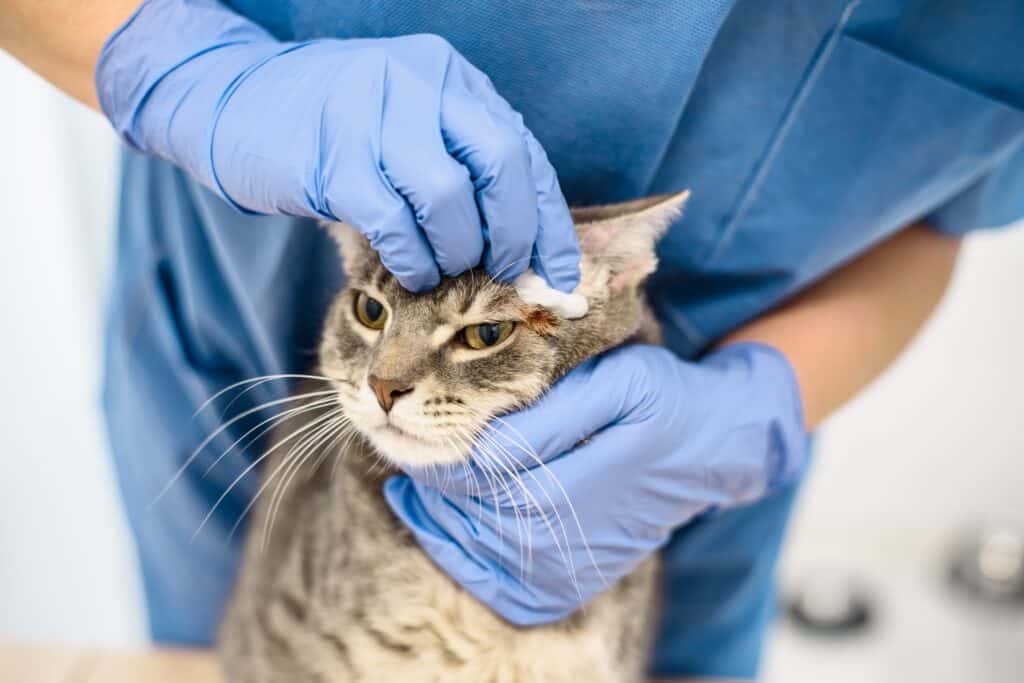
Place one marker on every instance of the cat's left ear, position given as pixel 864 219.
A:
pixel 355 249
pixel 618 241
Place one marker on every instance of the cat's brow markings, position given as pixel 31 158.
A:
pixel 458 298
pixel 483 304
pixel 378 276
pixel 467 295
pixel 440 336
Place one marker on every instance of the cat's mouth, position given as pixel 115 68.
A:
pixel 404 447
pixel 395 430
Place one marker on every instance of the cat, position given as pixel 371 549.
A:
pixel 332 587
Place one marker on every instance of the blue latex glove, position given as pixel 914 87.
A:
pixel 668 440
pixel 401 137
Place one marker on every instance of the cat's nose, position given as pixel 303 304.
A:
pixel 388 390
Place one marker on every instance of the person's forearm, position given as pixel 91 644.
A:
pixel 61 39
pixel 843 332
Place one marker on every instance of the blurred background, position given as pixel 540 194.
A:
pixel 933 452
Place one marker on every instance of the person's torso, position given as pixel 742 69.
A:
pixel 807 130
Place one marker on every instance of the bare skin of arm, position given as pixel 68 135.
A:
pixel 842 333
pixel 61 39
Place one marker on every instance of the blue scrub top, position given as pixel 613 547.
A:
pixel 807 130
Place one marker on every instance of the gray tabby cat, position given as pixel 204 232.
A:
pixel 338 591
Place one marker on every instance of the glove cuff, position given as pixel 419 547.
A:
pixel 157 91
pixel 771 395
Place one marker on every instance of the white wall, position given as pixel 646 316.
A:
pixel 935 446
pixel 66 567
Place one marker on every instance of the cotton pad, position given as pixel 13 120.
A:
pixel 534 290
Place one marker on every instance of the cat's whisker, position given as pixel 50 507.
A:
pixel 447 477
pixel 287 461
pixel 479 491
pixel 494 480
pixel 340 428
pixel 307 448
pixel 295 456
pixel 335 419
pixel 380 463
pixel 479 517
pixel 343 451
pixel 324 452
pixel 271 423
pixel 256 381
pixel 529 450
pixel 249 468
pixel 211 437
pixel 267 481
pixel 564 552
pixel 522 526
pixel 488 460
pixel 476 490
pixel 264 380
pixel 331 447
pixel 494 476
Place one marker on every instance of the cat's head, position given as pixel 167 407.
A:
pixel 420 374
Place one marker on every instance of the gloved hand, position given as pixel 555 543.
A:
pixel 668 440
pixel 401 137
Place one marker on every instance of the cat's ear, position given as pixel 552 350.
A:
pixel 618 240
pixel 355 249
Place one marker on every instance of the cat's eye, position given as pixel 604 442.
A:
pixel 370 312
pixel 486 335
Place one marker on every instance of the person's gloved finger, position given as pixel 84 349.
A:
pixel 442 199
pixel 498 161
pixel 419 167
pixel 556 253
pixel 376 209
pixel 673 492
pixel 556 256
pixel 394 235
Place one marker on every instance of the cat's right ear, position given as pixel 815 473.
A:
pixel 618 241
pixel 355 249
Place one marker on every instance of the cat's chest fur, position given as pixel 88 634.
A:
pixel 341 592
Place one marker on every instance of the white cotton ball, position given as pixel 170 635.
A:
pixel 534 290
